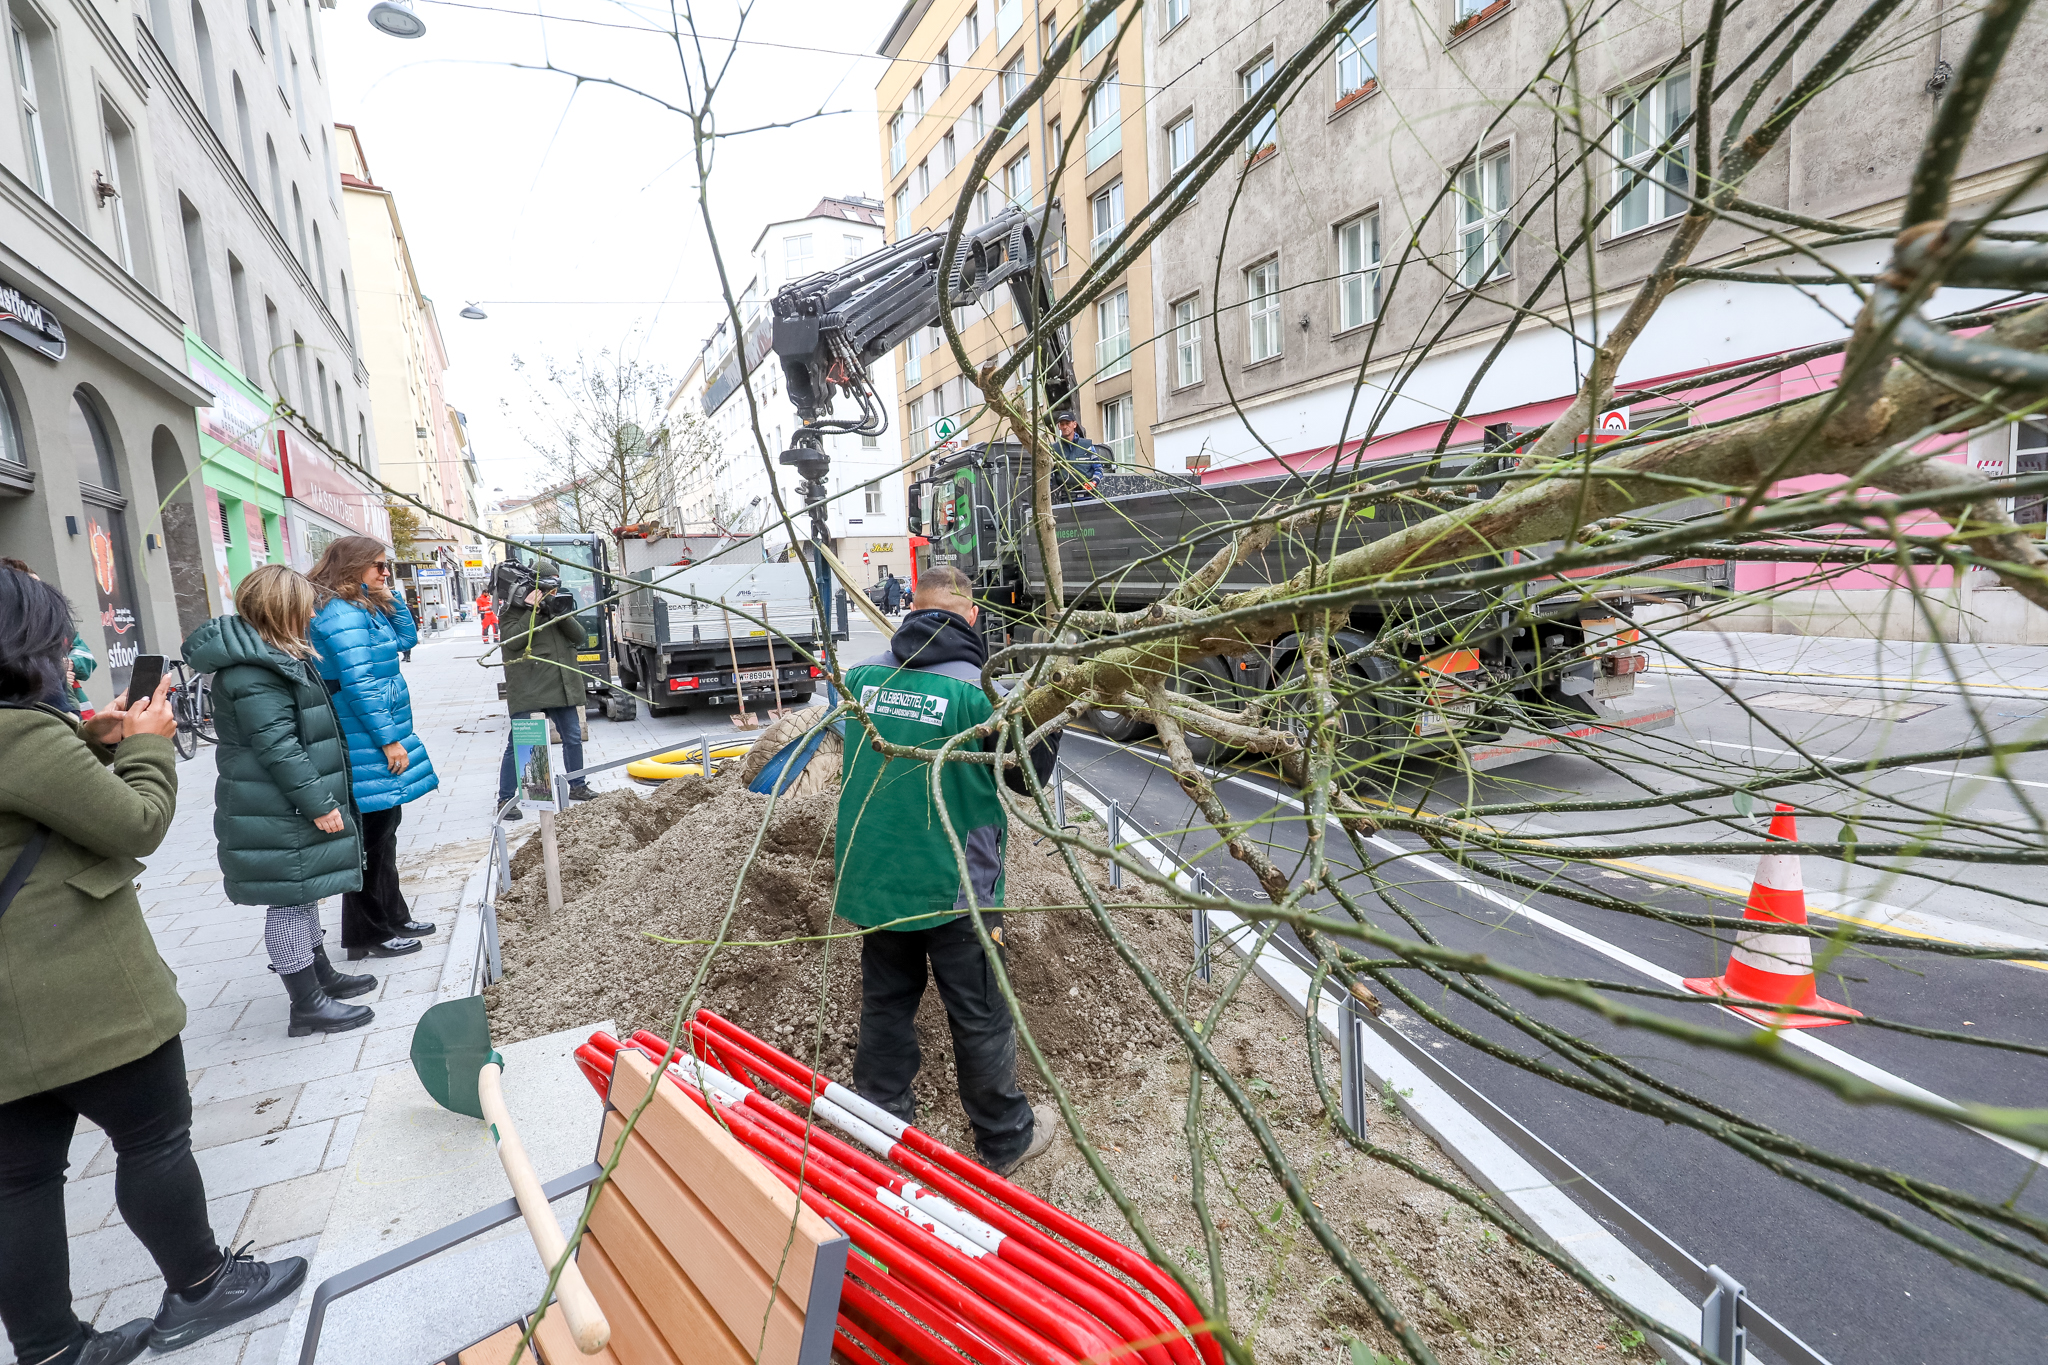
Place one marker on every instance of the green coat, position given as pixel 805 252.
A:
pixel 82 988
pixel 540 658
pixel 282 762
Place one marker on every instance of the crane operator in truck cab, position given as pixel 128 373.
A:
pixel 898 874
pixel 1079 465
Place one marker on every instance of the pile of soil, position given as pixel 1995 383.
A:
pixel 666 864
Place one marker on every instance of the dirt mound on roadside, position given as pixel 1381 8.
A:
pixel 672 868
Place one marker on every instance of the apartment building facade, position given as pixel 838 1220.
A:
pixel 422 450
pixel 954 65
pixel 1287 332
pixel 96 427
pixel 248 199
pixel 732 491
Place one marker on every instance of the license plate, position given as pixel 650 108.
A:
pixel 757 675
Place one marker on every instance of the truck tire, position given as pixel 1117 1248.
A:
pixel 620 706
pixel 1374 711
pixel 1208 680
pixel 1115 725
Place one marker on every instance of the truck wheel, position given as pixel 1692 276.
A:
pixel 621 707
pixel 1375 709
pixel 1115 725
pixel 1207 680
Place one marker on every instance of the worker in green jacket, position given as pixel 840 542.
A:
pixel 89 1011
pixel 539 639
pixel 898 873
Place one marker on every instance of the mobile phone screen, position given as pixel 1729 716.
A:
pixel 147 673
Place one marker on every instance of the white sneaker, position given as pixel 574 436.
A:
pixel 1046 1124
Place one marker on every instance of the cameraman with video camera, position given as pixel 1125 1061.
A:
pixel 539 639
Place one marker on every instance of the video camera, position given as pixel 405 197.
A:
pixel 511 581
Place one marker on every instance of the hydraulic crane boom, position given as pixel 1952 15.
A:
pixel 831 327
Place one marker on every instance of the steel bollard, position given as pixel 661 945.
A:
pixel 1116 834
pixel 704 756
pixel 1059 796
pixel 1200 886
pixel 561 792
pixel 1721 1330
pixel 1351 1092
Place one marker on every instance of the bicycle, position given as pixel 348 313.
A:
pixel 189 706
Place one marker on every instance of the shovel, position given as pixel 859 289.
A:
pixel 453 1057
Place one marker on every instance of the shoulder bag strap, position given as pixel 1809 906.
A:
pixel 24 863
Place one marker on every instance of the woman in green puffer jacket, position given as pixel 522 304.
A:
pixel 282 815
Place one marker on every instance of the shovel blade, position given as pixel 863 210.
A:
pixel 450 1044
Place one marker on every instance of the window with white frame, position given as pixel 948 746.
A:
pixel 1014 79
pixel 923 180
pixel 796 256
pixel 117 143
pixel 1358 272
pixel 1098 37
pixel 1109 215
pixel 897 125
pixel 34 127
pixel 970 29
pixel 1119 430
pixel 1009 17
pixel 1113 334
pixel 1105 121
pixel 1656 185
pixel 1262 309
pixel 914 102
pixel 942 69
pixel 1483 220
pixel 1250 82
pixel 949 154
pixel 1017 179
pixel 871 500
pixel 977 117
pixel 920 439
pixel 913 352
pixel 1176 12
pixel 1358 51
pixel 1187 343
pixel 903 213
pixel 982 210
pixel 851 248
pixel 1180 143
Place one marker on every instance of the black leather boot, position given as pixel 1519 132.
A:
pixel 315 1011
pixel 338 984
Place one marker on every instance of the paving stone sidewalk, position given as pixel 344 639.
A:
pixel 275 1117
pixel 2018 671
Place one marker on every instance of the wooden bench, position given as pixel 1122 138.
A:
pixel 695 1251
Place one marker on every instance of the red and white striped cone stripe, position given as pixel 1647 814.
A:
pixel 1775 967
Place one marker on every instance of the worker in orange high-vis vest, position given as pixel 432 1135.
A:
pixel 487 612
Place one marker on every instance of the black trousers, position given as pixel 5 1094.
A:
pixel 146 1111
pixel 378 911
pixel 892 973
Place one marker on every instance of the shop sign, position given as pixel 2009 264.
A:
pixel 215 523
pixel 882 547
pixel 236 420
pixel 315 479
pixel 30 323
pixel 121 630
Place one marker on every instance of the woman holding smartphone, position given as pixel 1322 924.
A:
pixel 90 1013
pixel 360 631
pixel 281 812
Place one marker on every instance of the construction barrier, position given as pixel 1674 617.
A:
pixel 957 1263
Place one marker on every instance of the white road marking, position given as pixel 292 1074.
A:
pixel 1874 772
pixel 1834 1056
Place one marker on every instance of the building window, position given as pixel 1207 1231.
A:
pixel 1017 180
pixel 1009 17
pixel 942 66
pixel 202 47
pixel 871 500
pixel 1358 52
pixel 1177 12
pixel 913 353
pixel 1118 430
pixel 2030 456
pixel 796 256
pixel 90 442
pixel 1014 80
pixel 299 219
pixel 1113 335
pixel 298 96
pixel 1098 37
pixel 1180 143
pixel 1109 216
pixel 1265 131
pixel 870 441
pixel 319 263
pixel 1262 309
pixel 970 28
pixel 896 126
pixel 1482 220
pixel 1358 275
pixel 11 447
pixel 924 181
pixel 131 232
pixel 312 35
pixel 903 213
pixel 920 439
pixel 915 103
pixel 202 277
pixel 977 117
pixel 245 323
pixel 982 209
pixel 1187 343
pixel 326 409
pixel 1105 121
pixel 1468 8
pixel 34 131
pixel 1656 186
pixel 949 155
pixel 851 248
pixel 243 127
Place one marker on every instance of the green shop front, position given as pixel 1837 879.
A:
pixel 245 490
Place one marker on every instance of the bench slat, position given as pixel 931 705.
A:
pixel 679 1309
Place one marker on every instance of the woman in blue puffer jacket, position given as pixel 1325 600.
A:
pixel 359 631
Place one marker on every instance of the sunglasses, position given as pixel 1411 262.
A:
pixel 381 566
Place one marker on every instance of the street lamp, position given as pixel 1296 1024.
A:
pixel 472 312
pixel 396 18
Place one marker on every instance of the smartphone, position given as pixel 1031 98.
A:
pixel 144 677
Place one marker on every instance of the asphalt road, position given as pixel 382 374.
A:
pixel 1853 1290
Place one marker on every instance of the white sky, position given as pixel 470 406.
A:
pixel 574 220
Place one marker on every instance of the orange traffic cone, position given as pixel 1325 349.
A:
pixel 1775 967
